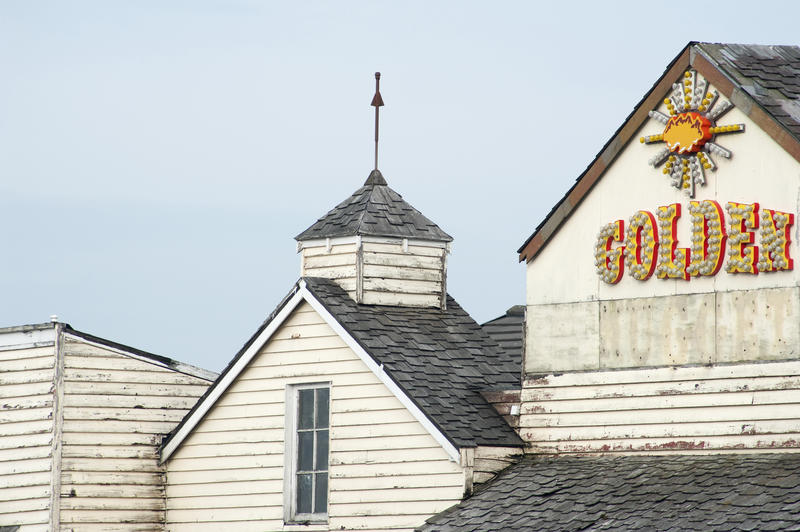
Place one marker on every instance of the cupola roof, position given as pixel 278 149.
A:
pixel 375 210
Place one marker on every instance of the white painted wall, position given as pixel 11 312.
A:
pixel 386 472
pixel 575 321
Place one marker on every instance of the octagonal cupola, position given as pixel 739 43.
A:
pixel 379 248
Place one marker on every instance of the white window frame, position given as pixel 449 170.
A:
pixel 290 515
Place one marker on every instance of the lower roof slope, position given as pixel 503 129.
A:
pixel 442 359
pixel 508 331
pixel 674 492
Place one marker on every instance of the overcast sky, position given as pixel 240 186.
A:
pixel 158 157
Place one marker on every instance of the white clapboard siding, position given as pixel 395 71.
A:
pixel 394 276
pixel 386 471
pixel 732 407
pixel 116 411
pixel 26 436
pixel 337 262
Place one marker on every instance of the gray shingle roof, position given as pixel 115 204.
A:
pixel 508 331
pixel 769 74
pixel 440 358
pixel 375 210
pixel 675 492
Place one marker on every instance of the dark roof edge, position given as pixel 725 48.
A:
pixel 230 365
pixel 169 363
pixel 27 328
pixel 586 181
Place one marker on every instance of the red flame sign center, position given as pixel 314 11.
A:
pixel 687 132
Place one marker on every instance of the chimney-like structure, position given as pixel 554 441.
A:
pixel 379 248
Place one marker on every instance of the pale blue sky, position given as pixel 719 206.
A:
pixel 157 158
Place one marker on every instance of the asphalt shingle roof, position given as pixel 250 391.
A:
pixel 442 359
pixel 508 331
pixel 675 492
pixel 769 74
pixel 375 210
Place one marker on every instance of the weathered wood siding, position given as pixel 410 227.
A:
pixel 735 407
pixel 26 436
pixel 337 263
pixel 386 471
pixel 489 461
pixel 116 411
pixel 394 276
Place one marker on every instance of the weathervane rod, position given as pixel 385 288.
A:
pixel 377 103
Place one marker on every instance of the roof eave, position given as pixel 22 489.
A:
pixel 693 56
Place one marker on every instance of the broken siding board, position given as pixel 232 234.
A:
pixel 117 409
pixel 206 476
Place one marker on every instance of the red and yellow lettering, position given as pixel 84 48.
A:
pixel 641 245
pixel 672 261
pixel 742 254
pixel 708 238
pixel 608 261
pixel 775 239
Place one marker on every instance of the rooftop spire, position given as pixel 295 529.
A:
pixel 377 103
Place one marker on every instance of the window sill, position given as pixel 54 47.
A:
pixel 311 526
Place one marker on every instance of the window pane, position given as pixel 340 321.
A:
pixel 321 493
pixel 304 494
pixel 305 451
pixel 323 395
pixel 322 450
pixel 305 409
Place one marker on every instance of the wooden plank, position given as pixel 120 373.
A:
pixel 397 249
pixel 322 371
pixel 392 456
pixel 27 364
pixel 212 476
pixel 244 435
pixel 385 443
pixel 112 478
pixel 115 504
pixel 671 415
pixel 378 430
pixel 411 274
pixel 119 491
pixel 25 427
pixel 39 478
pixel 403 261
pixel 402 286
pixel 667 374
pixel 123 414
pixel 143 452
pixel 359 405
pixel 110 438
pixel 23 454
pixel 300 344
pixel 328 261
pixel 400 496
pixel 411 300
pixel 27 493
pixel 216 425
pixel 274 461
pixel 115 362
pixel 112 425
pixel 25 414
pixel 316 356
pixel 653 402
pixel 30 401
pixel 26 389
pixel 316 330
pixel 337 249
pixel 111 465
pixel 339 273
pixel 154 389
pixel 26 377
pixel 221 501
pixel 239 487
pixel 663 430
pixel 399 482
pixel 233 450
pixel 139 377
pixel 28 352
pixel 644 389
pixel 129 401
pixel 111 516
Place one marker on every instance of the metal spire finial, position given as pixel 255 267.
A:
pixel 377 103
